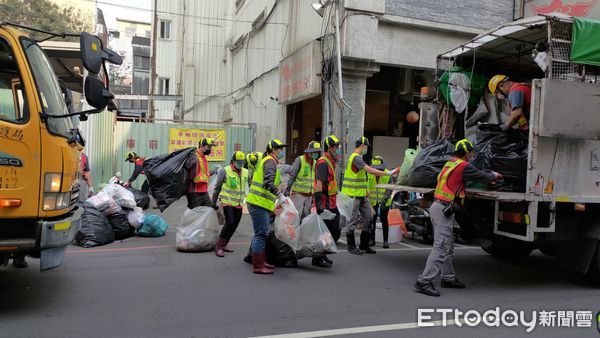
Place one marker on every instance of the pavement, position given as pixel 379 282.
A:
pixel 143 287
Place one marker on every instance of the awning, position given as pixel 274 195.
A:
pixel 585 48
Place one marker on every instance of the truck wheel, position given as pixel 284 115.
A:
pixel 507 248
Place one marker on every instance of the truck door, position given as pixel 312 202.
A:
pixel 19 135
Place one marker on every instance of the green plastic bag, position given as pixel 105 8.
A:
pixel 154 226
pixel 409 157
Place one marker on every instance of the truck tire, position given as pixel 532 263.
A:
pixel 506 248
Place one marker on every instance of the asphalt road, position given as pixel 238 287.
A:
pixel 143 287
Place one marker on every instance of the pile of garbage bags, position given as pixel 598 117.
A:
pixel 429 162
pixel 168 175
pixel 503 152
pixel 113 214
pixel 197 230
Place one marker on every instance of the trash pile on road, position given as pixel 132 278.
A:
pixel 116 213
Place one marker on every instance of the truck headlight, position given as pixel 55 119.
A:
pixel 52 182
pixel 56 201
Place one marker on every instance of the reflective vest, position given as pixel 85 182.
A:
pixel 376 195
pixel 234 187
pixel 355 184
pixel 450 181
pixel 139 162
pixel 202 175
pixel 332 183
pixel 258 195
pixel 304 179
pixel 525 89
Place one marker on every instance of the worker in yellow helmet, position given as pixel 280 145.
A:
pixel 519 100
pixel 450 187
pixel 230 189
pixel 197 192
pixel 300 183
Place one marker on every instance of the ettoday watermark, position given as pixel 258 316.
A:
pixel 497 317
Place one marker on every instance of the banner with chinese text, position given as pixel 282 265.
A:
pixel 180 138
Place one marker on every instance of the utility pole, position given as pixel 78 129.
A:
pixel 153 61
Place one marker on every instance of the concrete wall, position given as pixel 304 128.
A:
pixel 471 13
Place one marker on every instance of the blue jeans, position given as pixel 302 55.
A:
pixel 261 223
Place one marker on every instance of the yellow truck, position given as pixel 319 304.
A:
pixel 40 149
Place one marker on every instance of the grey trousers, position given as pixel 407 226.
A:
pixel 440 258
pixel 361 205
pixel 303 203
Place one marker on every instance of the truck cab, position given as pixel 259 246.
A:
pixel 40 149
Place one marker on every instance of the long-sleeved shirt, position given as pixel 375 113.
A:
pixel 471 173
pixel 294 174
pixel 270 171
pixel 221 176
pixel 137 170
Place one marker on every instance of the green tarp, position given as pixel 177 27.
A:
pixel 585 47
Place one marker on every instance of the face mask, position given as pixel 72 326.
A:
pixel 338 151
pixel 364 152
pixel 207 152
pixel 280 155
pixel 315 156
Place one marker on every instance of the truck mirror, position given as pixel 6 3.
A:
pixel 93 53
pixel 95 92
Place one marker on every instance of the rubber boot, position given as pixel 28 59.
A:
pixel 364 243
pixel 225 248
pixel 219 247
pixel 352 245
pixel 258 264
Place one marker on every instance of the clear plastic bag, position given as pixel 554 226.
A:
pixel 136 217
pixel 345 205
pixel 105 203
pixel 122 196
pixel 287 223
pixel 315 238
pixel 198 230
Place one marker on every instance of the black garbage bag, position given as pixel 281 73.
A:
pixel 120 225
pixel 429 163
pixel 94 230
pixel 503 152
pixel 142 200
pixel 168 175
pixel 280 254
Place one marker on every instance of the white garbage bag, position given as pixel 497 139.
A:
pixel 122 196
pixel 197 230
pixel 105 203
pixel 287 223
pixel 460 90
pixel 136 217
pixel 345 205
pixel 315 238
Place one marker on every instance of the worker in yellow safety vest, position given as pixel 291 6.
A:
pixel 261 202
pixel 450 187
pixel 355 185
pixel 197 192
pixel 230 189
pixel 381 200
pixel 301 180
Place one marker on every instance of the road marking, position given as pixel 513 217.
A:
pixel 408 245
pixel 356 330
pixel 122 249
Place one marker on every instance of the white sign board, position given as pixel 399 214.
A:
pixel 299 75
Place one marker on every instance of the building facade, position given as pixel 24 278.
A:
pixel 272 62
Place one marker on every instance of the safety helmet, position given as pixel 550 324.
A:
pixel 275 144
pixel 378 163
pixel 253 158
pixel 331 141
pixel 207 141
pixel 495 81
pixel 238 156
pixel 362 141
pixel 463 145
pixel 313 147
pixel 130 155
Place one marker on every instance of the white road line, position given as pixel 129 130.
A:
pixel 408 245
pixel 355 330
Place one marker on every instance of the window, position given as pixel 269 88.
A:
pixel 12 97
pixel 165 29
pixel 163 86
pixel 141 62
pixel 49 92
pixel 130 31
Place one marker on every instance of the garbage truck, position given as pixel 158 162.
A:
pixel 40 149
pixel 558 209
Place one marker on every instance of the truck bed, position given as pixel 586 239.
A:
pixel 472 193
